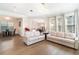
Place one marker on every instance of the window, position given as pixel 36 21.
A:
pixel 60 21
pixel 70 24
pixel 52 24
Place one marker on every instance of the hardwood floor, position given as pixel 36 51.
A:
pixel 15 46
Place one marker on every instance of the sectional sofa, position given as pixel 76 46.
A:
pixel 32 37
pixel 67 39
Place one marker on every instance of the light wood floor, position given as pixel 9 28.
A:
pixel 15 46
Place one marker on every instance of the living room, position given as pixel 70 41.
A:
pixel 40 28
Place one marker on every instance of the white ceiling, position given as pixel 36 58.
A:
pixel 38 8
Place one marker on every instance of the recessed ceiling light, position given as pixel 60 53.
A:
pixel 31 10
pixel 43 3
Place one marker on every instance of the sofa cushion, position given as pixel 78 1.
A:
pixel 29 34
pixel 53 33
pixel 70 35
pixel 32 34
pixel 60 34
pixel 36 33
pixel 63 41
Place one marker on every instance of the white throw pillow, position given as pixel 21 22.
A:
pixel 53 33
pixel 36 33
pixel 32 33
pixel 70 35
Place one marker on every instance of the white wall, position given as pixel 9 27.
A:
pixel 24 24
pixel 34 22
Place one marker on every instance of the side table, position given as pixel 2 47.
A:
pixel 45 33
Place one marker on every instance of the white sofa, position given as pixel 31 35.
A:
pixel 67 39
pixel 33 37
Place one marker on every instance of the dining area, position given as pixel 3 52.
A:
pixel 7 31
pixel 9 26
